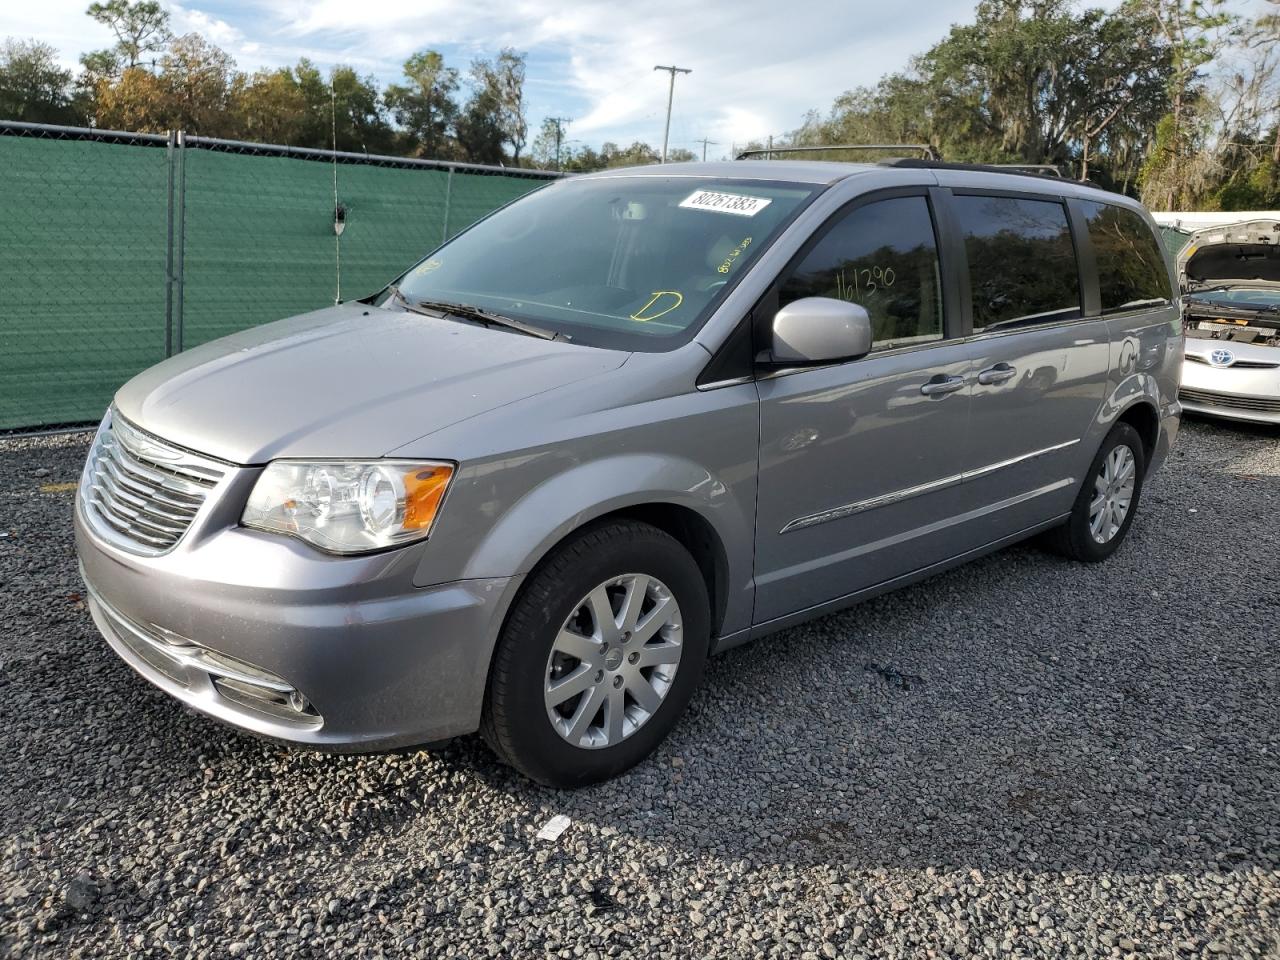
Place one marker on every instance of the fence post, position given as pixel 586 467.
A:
pixel 181 210
pixel 168 253
pixel 448 196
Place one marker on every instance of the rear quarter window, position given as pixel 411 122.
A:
pixel 1131 264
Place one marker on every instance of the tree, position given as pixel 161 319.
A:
pixel 138 100
pixel 98 67
pixel 637 154
pixel 33 87
pixel 199 79
pixel 344 100
pixel 1197 31
pixel 272 108
pixel 362 125
pixel 192 89
pixel 424 105
pixel 1029 81
pixel 1116 82
pixel 141 27
pixel 479 129
pixel 499 85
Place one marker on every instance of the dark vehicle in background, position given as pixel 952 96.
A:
pixel 1230 277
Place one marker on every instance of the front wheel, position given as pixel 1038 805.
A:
pixel 599 656
pixel 1108 499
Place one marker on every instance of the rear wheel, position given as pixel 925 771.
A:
pixel 1108 499
pixel 599 657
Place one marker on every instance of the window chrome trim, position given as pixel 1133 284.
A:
pixel 721 384
pixel 906 493
pixel 1031 328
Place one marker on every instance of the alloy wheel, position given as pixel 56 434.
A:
pixel 1112 493
pixel 613 661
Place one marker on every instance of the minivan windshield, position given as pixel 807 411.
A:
pixel 635 262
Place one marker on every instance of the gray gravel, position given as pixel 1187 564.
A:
pixel 1022 757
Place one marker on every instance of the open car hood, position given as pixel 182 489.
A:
pixel 1240 254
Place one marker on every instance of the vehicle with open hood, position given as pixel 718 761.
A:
pixel 1230 278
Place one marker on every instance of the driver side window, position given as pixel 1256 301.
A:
pixel 884 257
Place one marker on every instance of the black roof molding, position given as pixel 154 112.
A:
pixel 768 152
pixel 1039 171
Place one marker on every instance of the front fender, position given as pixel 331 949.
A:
pixel 696 452
pixel 551 511
pixel 563 503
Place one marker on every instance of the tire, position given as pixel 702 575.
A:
pixel 1076 538
pixel 629 559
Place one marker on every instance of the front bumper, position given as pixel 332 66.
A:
pixel 266 634
pixel 1237 392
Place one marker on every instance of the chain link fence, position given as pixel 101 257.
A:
pixel 121 249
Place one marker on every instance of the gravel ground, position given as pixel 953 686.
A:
pixel 1022 757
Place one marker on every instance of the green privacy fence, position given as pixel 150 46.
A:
pixel 118 249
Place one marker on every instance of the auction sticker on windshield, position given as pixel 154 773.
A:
pixel 734 203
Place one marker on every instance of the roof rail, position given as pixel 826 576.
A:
pixel 1041 170
pixel 768 152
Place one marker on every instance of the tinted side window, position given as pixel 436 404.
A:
pixel 884 257
pixel 1022 263
pixel 1131 270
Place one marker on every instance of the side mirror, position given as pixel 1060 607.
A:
pixel 820 330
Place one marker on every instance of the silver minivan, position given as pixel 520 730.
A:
pixel 628 421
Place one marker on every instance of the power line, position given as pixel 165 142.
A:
pixel 671 92
pixel 705 143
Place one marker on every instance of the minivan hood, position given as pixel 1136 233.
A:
pixel 1240 254
pixel 349 381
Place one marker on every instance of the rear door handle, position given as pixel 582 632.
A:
pixel 997 374
pixel 942 385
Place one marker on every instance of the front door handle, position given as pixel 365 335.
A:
pixel 942 385
pixel 997 374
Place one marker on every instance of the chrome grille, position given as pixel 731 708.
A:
pixel 1238 364
pixel 141 493
pixel 1213 398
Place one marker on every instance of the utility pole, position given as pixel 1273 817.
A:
pixel 704 141
pixel 671 92
pixel 559 122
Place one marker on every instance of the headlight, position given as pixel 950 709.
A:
pixel 349 507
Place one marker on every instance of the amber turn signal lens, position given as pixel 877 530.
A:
pixel 423 490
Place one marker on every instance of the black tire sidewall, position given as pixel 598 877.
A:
pixel 522 726
pixel 1083 546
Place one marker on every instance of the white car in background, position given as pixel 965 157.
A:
pixel 1230 277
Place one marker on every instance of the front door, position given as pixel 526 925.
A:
pixel 861 462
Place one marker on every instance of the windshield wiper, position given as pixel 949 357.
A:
pixel 1240 307
pixel 1216 303
pixel 477 315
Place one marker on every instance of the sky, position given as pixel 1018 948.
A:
pixel 758 65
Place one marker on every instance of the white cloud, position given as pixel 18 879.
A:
pixel 758 65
